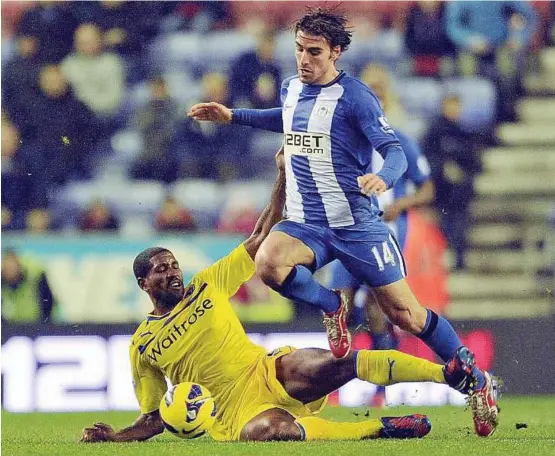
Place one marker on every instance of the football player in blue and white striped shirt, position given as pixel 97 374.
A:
pixel 414 188
pixel 331 123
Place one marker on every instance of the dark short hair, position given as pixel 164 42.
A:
pixel 326 23
pixel 142 265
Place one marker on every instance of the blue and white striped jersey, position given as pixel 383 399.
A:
pixel 418 172
pixel 329 134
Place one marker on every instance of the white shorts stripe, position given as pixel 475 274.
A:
pixel 399 255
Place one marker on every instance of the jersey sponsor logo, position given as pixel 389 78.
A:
pixel 143 347
pixel 176 331
pixel 191 301
pixel 385 127
pixel 189 291
pixel 307 144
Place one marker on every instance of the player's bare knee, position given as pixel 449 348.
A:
pixel 284 430
pixel 268 429
pixel 270 268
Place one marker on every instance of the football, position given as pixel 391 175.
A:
pixel 188 410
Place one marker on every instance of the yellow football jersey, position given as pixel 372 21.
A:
pixel 201 340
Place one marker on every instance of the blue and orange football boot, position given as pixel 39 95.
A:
pixel 405 427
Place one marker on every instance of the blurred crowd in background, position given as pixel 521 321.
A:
pixel 94 96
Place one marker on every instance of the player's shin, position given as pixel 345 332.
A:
pixel 314 428
pixel 300 286
pixel 386 367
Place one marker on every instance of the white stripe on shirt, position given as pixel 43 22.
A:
pixel 336 205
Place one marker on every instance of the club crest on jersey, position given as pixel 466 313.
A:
pixel 323 111
pixel 385 127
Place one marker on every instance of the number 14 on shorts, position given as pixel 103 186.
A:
pixel 384 257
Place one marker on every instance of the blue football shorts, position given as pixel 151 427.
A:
pixel 369 252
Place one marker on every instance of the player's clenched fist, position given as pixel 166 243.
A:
pixel 213 112
pixel 99 433
pixel 370 184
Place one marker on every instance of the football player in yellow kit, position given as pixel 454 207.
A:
pixel 193 335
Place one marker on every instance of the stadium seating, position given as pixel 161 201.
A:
pixel 220 49
pixel 145 198
pixel 203 197
pixel 182 57
pixel 477 99
pixel 420 96
pixel 183 88
pixel 247 193
pixel 127 145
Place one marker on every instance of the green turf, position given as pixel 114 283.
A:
pixel 56 435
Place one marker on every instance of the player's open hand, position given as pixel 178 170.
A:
pixel 213 112
pixel 370 184
pixel 100 432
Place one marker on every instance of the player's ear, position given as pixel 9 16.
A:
pixel 335 53
pixel 142 283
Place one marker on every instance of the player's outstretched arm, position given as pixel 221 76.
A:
pixel 265 119
pixel 272 213
pixel 212 112
pixel 145 427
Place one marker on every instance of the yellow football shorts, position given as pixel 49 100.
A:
pixel 263 391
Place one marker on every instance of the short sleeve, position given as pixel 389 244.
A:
pixel 418 169
pixel 368 113
pixel 149 383
pixel 229 273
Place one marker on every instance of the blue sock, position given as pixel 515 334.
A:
pixel 440 336
pixel 382 341
pixel 386 340
pixel 300 286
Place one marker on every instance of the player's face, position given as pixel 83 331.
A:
pixel 164 281
pixel 315 59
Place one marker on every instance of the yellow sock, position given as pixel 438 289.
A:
pixel 319 429
pixel 386 367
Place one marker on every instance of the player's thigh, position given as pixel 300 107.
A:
pixel 272 424
pixel 292 243
pixel 310 374
pixel 374 262
pixel 283 249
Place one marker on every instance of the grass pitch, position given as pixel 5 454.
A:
pixel 452 434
